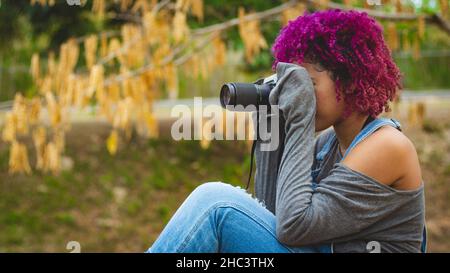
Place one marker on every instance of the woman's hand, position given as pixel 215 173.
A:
pixel 294 92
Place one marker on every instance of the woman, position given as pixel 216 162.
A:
pixel 355 188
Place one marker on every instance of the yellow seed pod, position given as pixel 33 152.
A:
pixel 292 13
pixel 54 110
pixel 80 96
pixel 152 125
pixel 398 6
pixel 72 55
pixel 149 22
pixel 421 112
pixel 112 142
pixel 122 116
pixel 392 37
pixel 59 139
pixel 98 7
pixel 51 64
pixel 103 45
pixel 52 158
pixel 140 5
pixel 34 111
pixel 197 9
pixel 35 70
pixel 113 48
pixel 182 5
pixel 68 97
pixel 18 159
pixel 46 85
pixel 90 47
pixel 9 130
pixel 39 139
pixel 405 41
pixel 113 92
pixel 206 134
pixel 20 110
pixel 172 81
pixel 125 4
pixel 96 80
pixel 251 36
pixel 443 4
pixel 220 51
pixel 127 91
pixel 421 26
pixel 180 27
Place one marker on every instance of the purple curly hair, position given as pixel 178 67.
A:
pixel 350 45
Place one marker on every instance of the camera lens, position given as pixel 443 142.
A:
pixel 227 95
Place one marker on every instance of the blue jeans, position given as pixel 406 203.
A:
pixel 220 218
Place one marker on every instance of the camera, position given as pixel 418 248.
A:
pixel 245 94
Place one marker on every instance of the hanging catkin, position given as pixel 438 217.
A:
pixel 90 47
pixel 18 159
pixel 443 4
pixel 180 27
pixel 292 13
pixel 35 70
pixel 421 26
pixel 251 36
pixel 392 37
pixel 220 51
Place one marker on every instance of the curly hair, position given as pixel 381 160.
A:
pixel 350 45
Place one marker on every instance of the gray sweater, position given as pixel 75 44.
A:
pixel 348 208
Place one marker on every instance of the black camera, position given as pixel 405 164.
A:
pixel 245 94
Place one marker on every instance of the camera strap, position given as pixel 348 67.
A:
pixel 252 155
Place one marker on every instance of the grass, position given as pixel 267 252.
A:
pixel 43 212
pixel 121 203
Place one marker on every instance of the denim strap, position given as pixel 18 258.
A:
pixel 369 129
pixel 326 147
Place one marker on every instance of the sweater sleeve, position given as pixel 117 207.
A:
pixel 344 203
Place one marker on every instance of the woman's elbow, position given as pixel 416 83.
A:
pixel 285 233
pixel 292 231
pixel 283 236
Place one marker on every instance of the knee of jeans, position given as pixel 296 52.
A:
pixel 214 191
pixel 211 188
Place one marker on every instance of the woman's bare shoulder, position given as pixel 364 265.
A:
pixel 389 157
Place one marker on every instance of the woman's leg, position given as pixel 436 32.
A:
pixel 218 217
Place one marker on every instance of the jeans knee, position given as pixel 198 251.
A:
pixel 211 188
pixel 214 192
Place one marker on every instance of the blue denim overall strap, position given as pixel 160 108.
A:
pixel 320 156
pixel 365 132
pixel 369 129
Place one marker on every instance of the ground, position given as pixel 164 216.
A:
pixel 121 203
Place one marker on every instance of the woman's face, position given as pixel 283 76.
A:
pixel 328 110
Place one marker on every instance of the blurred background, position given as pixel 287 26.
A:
pixel 86 89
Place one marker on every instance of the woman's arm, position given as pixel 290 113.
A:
pixel 344 203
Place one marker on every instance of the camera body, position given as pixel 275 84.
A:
pixel 245 94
